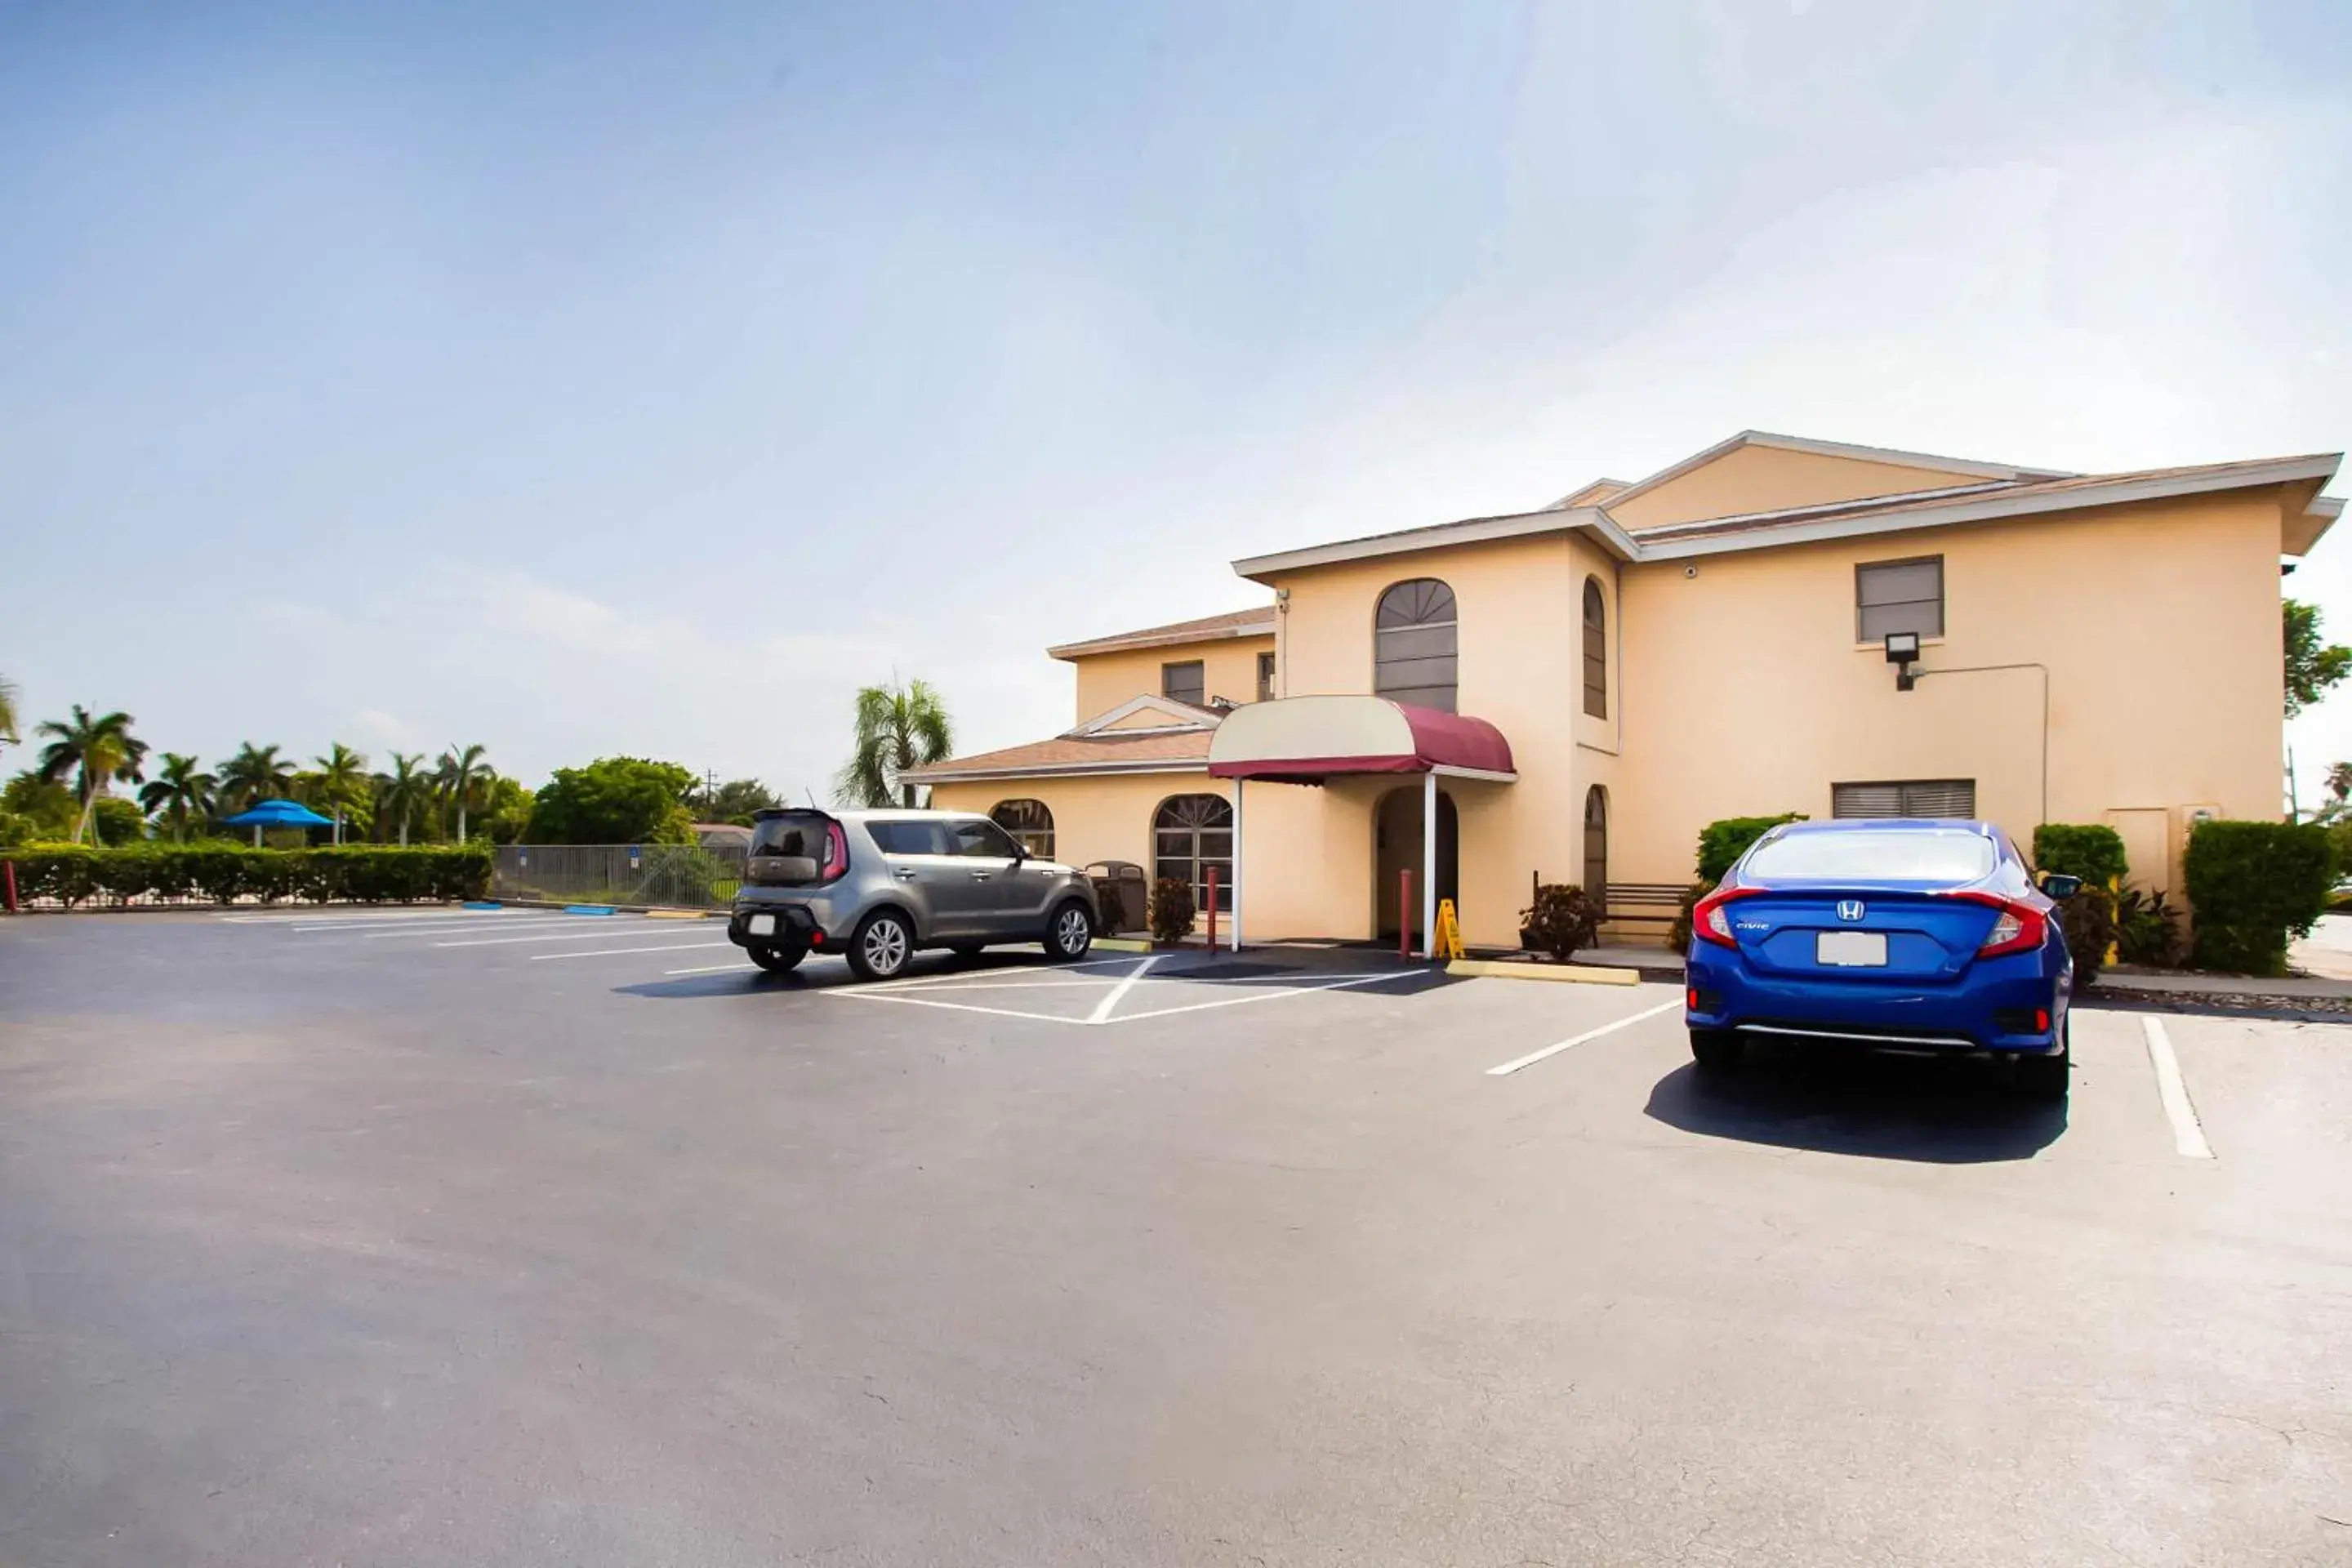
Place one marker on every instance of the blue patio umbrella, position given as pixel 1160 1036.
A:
pixel 275 813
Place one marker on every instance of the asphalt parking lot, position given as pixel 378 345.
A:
pixel 350 1237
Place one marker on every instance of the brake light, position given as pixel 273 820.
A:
pixel 836 853
pixel 2018 928
pixel 1709 923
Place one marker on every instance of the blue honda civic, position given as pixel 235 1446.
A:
pixel 1929 937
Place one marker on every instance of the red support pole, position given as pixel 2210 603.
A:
pixel 1404 912
pixel 1213 909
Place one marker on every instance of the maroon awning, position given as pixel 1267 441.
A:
pixel 1309 738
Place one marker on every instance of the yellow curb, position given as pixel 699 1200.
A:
pixel 1122 945
pixel 1574 974
pixel 679 915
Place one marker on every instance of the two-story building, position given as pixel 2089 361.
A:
pixel 1569 694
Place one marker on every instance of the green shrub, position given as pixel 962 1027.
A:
pixel 2087 921
pixel 2091 850
pixel 2147 929
pixel 2254 886
pixel 1721 843
pixel 1171 909
pixel 1563 918
pixel 1678 935
pixel 222 873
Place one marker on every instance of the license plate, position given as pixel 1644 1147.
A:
pixel 765 925
pixel 1851 949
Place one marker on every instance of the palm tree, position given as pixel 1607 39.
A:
pixel 899 727
pixel 96 751
pixel 400 792
pixel 254 774
pixel 8 736
pixel 179 793
pixel 461 774
pixel 341 782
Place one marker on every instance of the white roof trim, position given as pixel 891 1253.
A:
pixel 1894 455
pixel 2328 507
pixel 1136 642
pixel 1055 770
pixel 2000 504
pixel 1183 714
pixel 1969 505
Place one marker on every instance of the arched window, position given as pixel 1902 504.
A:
pixel 1596 842
pixel 1029 822
pixel 1412 643
pixel 1596 650
pixel 1191 833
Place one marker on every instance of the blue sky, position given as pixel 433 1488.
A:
pixel 585 379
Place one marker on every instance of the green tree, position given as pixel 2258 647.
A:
pixel 340 788
pixel 8 736
pixel 256 774
pixel 45 807
pixel 2312 670
pixel 180 792
pixel 736 800
pixel 461 774
pixel 614 800
pixel 505 810
pixel 896 727
pixel 113 820
pixel 400 794
pixel 96 750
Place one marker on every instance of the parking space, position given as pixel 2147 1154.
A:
pixel 619 1250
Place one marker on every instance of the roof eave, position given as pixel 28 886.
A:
pixel 1447 535
pixel 1055 770
pixel 1077 650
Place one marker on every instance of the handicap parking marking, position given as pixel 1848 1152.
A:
pixel 1504 1069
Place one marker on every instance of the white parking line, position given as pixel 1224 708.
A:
pixel 711 968
pixel 1552 1050
pixel 611 952
pixel 2187 1136
pixel 862 993
pixel 966 975
pixel 1268 993
pixel 548 936
pixel 1125 984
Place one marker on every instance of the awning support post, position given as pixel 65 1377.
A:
pixel 1429 864
pixel 1237 864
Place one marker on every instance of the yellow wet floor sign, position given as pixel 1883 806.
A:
pixel 1449 931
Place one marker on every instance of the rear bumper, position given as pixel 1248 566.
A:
pixel 1995 1008
pixel 796 925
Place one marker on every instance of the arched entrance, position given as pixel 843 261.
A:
pixel 1396 847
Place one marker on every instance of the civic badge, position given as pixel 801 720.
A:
pixel 1851 910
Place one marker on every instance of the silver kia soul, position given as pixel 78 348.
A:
pixel 874 886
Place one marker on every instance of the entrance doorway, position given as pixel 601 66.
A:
pixel 1396 847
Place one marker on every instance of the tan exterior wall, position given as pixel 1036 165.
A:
pixel 1738 687
pixel 1745 692
pixel 1768 479
pixel 1107 679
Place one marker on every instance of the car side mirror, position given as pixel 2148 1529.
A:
pixel 2058 885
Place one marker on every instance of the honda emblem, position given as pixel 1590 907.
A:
pixel 1851 910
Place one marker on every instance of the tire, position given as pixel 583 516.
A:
pixel 1069 931
pixel 1716 1050
pixel 777 960
pixel 881 945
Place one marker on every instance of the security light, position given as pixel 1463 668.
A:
pixel 1902 648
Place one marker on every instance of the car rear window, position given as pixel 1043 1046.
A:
pixel 904 837
pixel 795 833
pixel 1930 855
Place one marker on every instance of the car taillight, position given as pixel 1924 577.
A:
pixel 1709 923
pixel 836 853
pixel 2017 928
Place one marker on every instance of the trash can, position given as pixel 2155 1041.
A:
pixel 1124 894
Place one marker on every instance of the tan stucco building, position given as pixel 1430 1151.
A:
pixel 1707 642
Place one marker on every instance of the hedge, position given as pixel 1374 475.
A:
pixel 2091 850
pixel 2255 886
pixel 222 873
pixel 1721 843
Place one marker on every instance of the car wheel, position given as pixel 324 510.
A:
pixel 1716 1050
pixel 880 946
pixel 1070 933
pixel 777 960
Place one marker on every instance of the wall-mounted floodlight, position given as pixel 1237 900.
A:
pixel 1903 652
